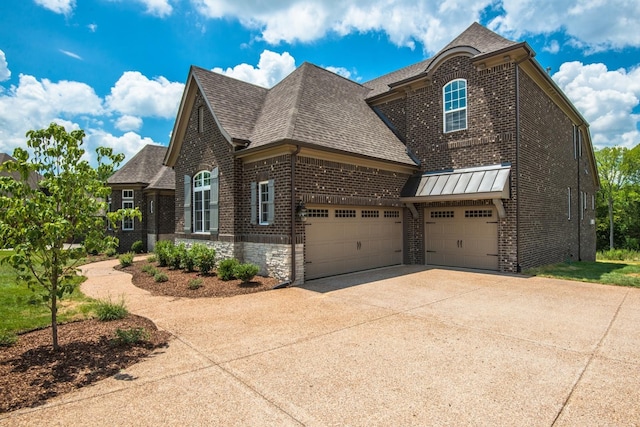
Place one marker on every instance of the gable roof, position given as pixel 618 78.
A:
pixel 478 39
pixel 311 107
pixel 146 168
pixel 33 179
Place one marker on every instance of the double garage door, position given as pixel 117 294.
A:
pixel 343 239
pixel 462 237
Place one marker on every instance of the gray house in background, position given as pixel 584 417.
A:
pixel 144 182
pixel 33 178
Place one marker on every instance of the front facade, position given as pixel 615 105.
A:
pixel 472 158
pixel 144 183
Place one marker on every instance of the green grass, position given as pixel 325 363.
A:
pixel 23 310
pixel 620 273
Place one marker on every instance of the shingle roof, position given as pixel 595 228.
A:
pixel 476 36
pixel 146 168
pixel 33 178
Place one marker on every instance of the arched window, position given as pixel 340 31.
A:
pixel 454 97
pixel 201 202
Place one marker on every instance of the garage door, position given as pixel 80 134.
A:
pixel 343 239
pixel 462 237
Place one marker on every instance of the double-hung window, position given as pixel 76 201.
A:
pixel 262 202
pixel 127 203
pixel 201 202
pixel 454 97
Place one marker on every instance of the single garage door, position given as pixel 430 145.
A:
pixel 462 237
pixel 343 239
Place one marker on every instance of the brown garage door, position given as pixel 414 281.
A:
pixel 462 237
pixel 343 239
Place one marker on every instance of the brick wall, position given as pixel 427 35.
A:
pixel 128 237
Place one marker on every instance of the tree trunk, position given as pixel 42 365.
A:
pixel 610 223
pixel 54 320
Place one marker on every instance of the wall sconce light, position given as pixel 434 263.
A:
pixel 301 211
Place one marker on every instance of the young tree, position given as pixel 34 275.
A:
pixel 618 167
pixel 67 206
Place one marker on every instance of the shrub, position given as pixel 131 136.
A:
pixel 245 272
pixel 130 336
pixel 163 251
pixel 189 260
pixel 149 269
pixel 194 284
pixel 126 259
pixel 160 277
pixel 152 258
pixel 108 310
pixel 137 247
pixel 226 269
pixel 110 252
pixel 176 256
pixel 205 258
pixel 7 339
pixel 618 255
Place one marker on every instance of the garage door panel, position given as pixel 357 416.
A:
pixel 340 243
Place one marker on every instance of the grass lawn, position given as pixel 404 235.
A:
pixel 621 273
pixel 23 310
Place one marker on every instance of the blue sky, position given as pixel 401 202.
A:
pixel 116 68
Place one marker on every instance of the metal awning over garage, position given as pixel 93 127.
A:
pixel 477 183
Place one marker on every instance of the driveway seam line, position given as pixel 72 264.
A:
pixel 592 356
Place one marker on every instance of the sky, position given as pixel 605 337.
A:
pixel 117 68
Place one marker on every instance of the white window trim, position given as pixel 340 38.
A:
pixel 465 108
pixel 127 203
pixel 205 206
pixel 569 210
pixel 262 205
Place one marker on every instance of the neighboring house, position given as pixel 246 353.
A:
pixel 33 179
pixel 472 158
pixel 144 182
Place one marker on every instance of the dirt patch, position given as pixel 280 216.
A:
pixel 178 283
pixel 31 372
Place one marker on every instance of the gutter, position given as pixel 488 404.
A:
pixel 294 157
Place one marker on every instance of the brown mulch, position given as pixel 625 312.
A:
pixel 31 372
pixel 177 285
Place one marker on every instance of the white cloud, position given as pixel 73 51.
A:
pixel 553 47
pixel 92 27
pixel 63 7
pixel 272 67
pixel 593 25
pixel 159 8
pixel 5 73
pixel 135 94
pixel 606 98
pixel 71 54
pixel 128 144
pixel 341 71
pixel 128 123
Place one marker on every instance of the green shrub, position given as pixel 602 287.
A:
pixel 130 336
pixel 194 284
pixel 107 310
pixel 163 251
pixel 618 255
pixel 245 272
pixel 189 260
pixel 178 253
pixel 205 258
pixel 160 277
pixel 149 269
pixel 126 259
pixel 7 339
pixel 110 252
pixel 137 247
pixel 226 269
pixel 152 258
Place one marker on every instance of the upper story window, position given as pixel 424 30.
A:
pixel 264 202
pixel 201 202
pixel 127 203
pixel 454 96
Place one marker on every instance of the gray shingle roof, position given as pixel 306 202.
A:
pixel 476 36
pixel 33 178
pixel 146 168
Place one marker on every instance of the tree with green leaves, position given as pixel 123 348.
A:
pixel 68 206
pixel 619 170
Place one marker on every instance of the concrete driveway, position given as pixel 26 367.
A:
pixel 396 346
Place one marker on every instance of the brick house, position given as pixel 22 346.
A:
pixel 471 158
pixel 144 182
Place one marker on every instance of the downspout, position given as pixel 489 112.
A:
pixel 518 265
pixel 294 157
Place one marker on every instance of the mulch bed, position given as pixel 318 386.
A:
pixel 31 372
pixel 212 286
